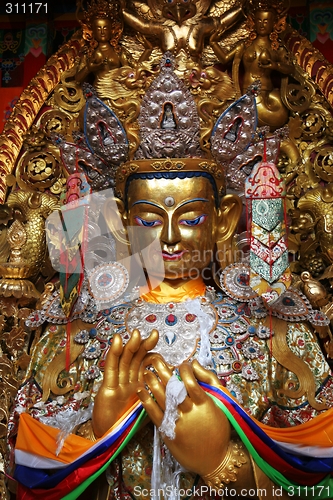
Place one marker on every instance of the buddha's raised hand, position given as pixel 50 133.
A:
pixel 121 380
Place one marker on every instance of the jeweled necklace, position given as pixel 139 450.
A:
pixel 179 325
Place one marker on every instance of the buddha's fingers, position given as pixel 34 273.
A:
pixel 196 394
pixel 156 387
pixel 146 345
pixel 159 391
pixel 204 375
pixel 129 351
pixel 154 411
pixel 155 362
pixel 111 371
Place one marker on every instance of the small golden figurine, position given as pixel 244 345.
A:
pixel 317 204
pixel 102 29
pixel 261 55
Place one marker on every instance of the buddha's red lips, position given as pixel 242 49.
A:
pixel 173 256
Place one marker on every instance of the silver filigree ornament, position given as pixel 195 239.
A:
pixel 249 373
pixel 168 120
pixel 234 281
pixel 82 337
pixel 239 326
pixel 104 134
pixel 235 392
pixel 107 283
pixel 234 130
pixel 92 372
pixel 52 311
pixel 93 351
pixel 264 332
pixel 78 157
pixel 250 349
pixel 241 166
pixel 101 149
pixel 179 330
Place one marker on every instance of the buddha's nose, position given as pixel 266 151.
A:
pixel 170 233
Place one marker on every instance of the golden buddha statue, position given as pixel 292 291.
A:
pixel 261 55
pixel 218 374
pixel 189 384
pixel 102 29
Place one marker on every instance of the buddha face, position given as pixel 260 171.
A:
pixel 102 29
pixel 264 22
pixel 182 214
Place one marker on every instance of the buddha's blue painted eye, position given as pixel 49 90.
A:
pixel 147 223
pixel 194 222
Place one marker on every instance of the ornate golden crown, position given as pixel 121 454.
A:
pixel 142 167
pixel 170 137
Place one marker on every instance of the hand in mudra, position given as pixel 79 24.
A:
pixel 202 430
pixel 122 379
pixel 95 65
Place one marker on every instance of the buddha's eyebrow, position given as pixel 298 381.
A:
pixel 193 200
pixel 147 202
pixel 159 206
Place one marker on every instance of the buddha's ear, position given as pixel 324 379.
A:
pixel 229 214
pixel 115 217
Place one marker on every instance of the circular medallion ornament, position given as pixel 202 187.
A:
pixel 108 282
pixel 93 351
pixel 92 372
pixel 189 318
pixel 171 320
pixel 250 349
pixel 237 366
pixel 82 337
pixel 38 170
pixel 235 280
